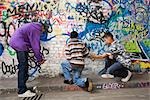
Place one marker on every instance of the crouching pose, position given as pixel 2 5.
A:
pixel 75 52
pixel 117 60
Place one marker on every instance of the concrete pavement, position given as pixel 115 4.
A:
pixel 56 84
pixel 120 94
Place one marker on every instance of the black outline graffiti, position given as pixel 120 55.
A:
pixel 32 60
pixel 12 68
pixel 92 11
pixel 4 28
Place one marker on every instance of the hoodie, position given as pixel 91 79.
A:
pixel 27 37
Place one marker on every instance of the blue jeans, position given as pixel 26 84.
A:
pixel 73 73
pixel 66 68
pixel 108 63
pixel 22 57
pixel 115 68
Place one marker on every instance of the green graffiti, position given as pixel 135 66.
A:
pixel 5 15
pixel 11 51
pixel 122 23
pixel 132 46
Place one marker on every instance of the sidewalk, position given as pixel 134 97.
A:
pixel 56 84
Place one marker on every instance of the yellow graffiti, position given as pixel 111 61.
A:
pixel 145 64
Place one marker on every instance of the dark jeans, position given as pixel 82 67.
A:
pixel 118 71
pixel 22 57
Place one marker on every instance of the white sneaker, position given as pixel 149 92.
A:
pixel 28 93
pixel 107 76
pixel 127 78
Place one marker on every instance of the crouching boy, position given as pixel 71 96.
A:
pixel 75 52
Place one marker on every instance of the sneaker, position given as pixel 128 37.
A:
pixel 107 76
pixel 89 85
pixel 68 82
pixel 127 78
pixel 34 89
pixel 28 93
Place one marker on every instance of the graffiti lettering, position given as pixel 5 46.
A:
pixel 111 86
pixel 11 69
pixel 127 20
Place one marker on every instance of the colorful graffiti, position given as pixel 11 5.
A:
pixel 34 68
pixel 128 20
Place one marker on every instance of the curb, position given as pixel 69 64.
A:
pixel 101 86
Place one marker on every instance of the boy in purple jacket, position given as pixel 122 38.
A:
pixel 24 39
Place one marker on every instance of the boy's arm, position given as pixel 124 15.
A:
pixel 67 53
pixel 34 38
pixel 85 51
pixel 94 56
pixel 117 49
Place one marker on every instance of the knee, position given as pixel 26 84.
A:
pixel 110 71
pixel 66 65
pixel 75 79
pixel 63 64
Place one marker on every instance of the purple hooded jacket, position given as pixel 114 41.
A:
pixel 27 37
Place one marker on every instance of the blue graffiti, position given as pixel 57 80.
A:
pixel 92 35
pixel 144 44
pixel 92 28
pixel 1 49
pixel 120 1
pixel 82 8
pixel 121 17
pixel 44 37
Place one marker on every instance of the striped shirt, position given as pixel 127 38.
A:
pixel 75 52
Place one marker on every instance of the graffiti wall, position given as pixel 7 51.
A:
pixel 128 20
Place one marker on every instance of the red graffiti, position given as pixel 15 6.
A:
pixel 1 9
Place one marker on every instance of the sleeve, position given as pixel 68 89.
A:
pixel 34 38
pixel 67 53
pixel 116 49
pixel 85 51
pixel 120 48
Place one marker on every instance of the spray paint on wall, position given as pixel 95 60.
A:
pixel 128 20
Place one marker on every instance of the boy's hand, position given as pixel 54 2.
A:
pixel 110 55
pixel 104 55
pixel 42 61
pixel 93 56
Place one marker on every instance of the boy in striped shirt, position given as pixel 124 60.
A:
pixel 75 52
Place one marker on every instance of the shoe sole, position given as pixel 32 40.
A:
pixel 128 79
pixel 26 96
pixel 107 77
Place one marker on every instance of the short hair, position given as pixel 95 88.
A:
pixel 73 34
pixel 108 34
pixel 45 26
